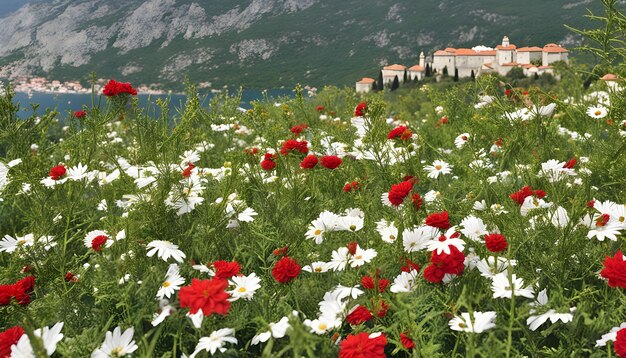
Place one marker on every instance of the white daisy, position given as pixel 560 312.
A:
pixel 172 282
pixel 418 238
pixel 387 230
pixel 339 259
pixel 404 282
pixel 503 288
pixel 215 341
pixel 49 337
pixel 9 244
pixel 362 257
pixel 116 344
pixel 165 250
pixel 473 228
pixel 276 330
pixel 438 167
pixel 482 322
pixel 245 286
pixel 461 139
pixel 317 267
pixel 611 336
pixel 443 242
pixel 597 112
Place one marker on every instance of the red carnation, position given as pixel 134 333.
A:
pixel 8 338
pixel 441 264
pixel 443 120
pixel 360 109
pixel 309 162
pixel 292 144
pixel 416 199
pixel 396 132
pixel 381 308
pixel 98 241
pixel 268 162
pixel 57 172
pixel 410 266
pixel 368 283
pixel 352 247
pixel 282 251
pixel 406 341
pixel 113 88
pixel 330 161
pixel 351 186
pixel 187 171
pixel 80 114
pixel 620 343
pixel 20 291
pixel 434 274
pixel 525 192
pixel 225 269
pixel 398 192
pixel 438 220
pixel 591 203
pixel 208 295
pixel 70 277
pixel 495 242
pixel 359 315
pixel 298 129
pixel 362 346
pixel 319 108
pixel 285 270
pixel 570 163
pixel 615 270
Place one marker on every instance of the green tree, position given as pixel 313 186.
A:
pixel 380 84
pixel 472 75
pixel 445 71
pixel 456 74
pixel 516 73
pixel 395 84
pixel 406 78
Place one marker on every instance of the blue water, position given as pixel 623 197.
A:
pixel 69 102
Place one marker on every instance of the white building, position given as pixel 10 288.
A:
pixel 365 85
pixel 502 59
pixel 390 72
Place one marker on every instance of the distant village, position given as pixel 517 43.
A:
pixel 41 84
pixel 466 62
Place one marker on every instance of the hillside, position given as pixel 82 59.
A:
pixel 261 43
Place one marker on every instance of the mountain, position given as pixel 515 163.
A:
pixel 261 43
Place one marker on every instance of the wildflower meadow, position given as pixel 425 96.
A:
pixel 479 219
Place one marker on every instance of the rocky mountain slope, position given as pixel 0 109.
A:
pixel 261 43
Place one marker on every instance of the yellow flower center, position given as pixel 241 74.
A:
pixel 21 242
pixel 597 112
pixel 166 284
pixel 352 227
pixel 359 257
pixel 318 269
pixel 317 232
pixel 241 289
pixel 438 167
pixel 392 238
pixel 322 326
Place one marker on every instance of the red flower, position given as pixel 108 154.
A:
pixel 591 203
pixel 80 114
pixel 368 283
pixel 98 241
pixel 438 220
pixel 398 192
pixel 416 199
pixel 330 161
pixel 208 295
pixel 434 274
pixel 359 315
pixel 187 172
pixel 401 132
pixel 362 346
pixel 409 266
pixel 285 270
pixel 225 269
pixel 69 277
pixel 292 144
pixel 20 291
pixel 352 247
pixel 9 338
pixel 570 163
pixel 620 343
pixel 113 88
pixel 298 129
pixel 615 270
pixel 381 308
pixel 57 172
pixel 603 220
pixel 525 192
pixel 282 251
pixel 268 162
pixel 443 120
pixel 319 108
pixel 360 109
pixel 495 242
pixel 499 142
pixel 309 162
pixel 351 186
pixel 406 341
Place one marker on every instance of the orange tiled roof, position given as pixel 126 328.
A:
pixel 554 48
pixel 366 80
pixel 530 49
pixel 530 65
pixel 510 64
pixel 507 48
pixel 417 68
pixel 609 77
pixel 450 49
pixel 544 67
pixel 443 53
pixel 395 67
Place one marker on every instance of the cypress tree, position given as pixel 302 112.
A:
pixel 380 85
pixel 406 78
pixel 374 86
pixel 472 75
pixel 445 70
pixel 395 84
pixel 536 76
pixel 428 71
pixel 456 74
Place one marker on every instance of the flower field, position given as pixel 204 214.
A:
pixel 480 220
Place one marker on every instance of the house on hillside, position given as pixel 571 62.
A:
pixel 365 85
pixel 390 72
